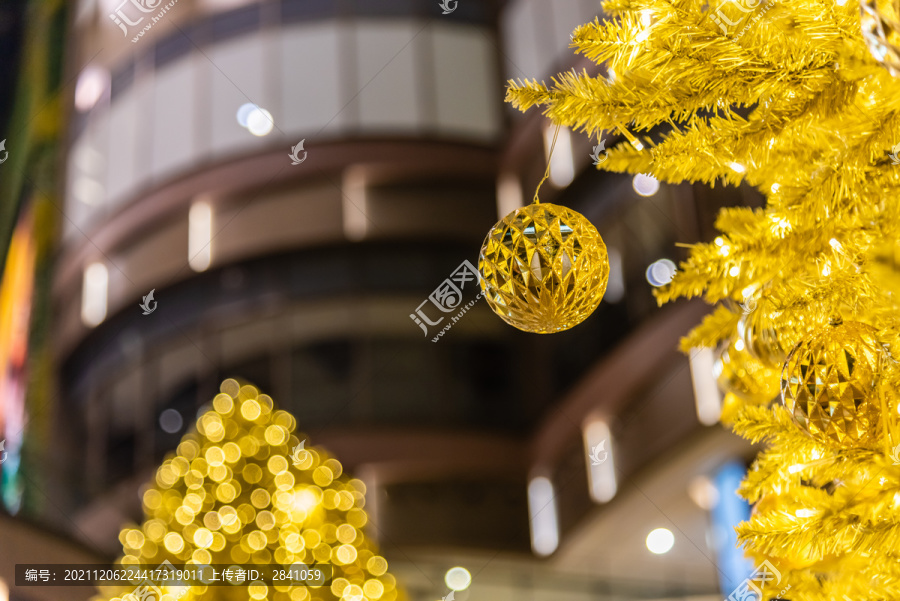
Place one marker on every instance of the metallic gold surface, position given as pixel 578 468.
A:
pixel 544 267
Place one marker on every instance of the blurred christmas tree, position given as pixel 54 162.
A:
pixel 800 100
pixel 243 489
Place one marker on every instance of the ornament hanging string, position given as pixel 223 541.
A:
pixel 547 171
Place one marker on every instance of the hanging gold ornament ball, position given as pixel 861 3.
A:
pixel 544 268
pixel 745 377
pixel 828 384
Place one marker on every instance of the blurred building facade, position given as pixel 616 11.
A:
pixel 305 279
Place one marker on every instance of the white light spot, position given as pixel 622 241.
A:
pixel 457 579
pixel 637 145
pixel 796 468
pixel 200 236
pixel 775 188
pixel 244 112
pixel 646 18
pixel 562 164
pixel 660 541
pixel 610 74
pixel 737 167
pixel 602 474
pixel 734 271
pixel 260 122
pixel 707 396
pixel 805 513
pixel 92 84
pixel 93 294
pixel 542 508
pixel 739 345
pixel 170 421
pixel 645 185
pixel 720 241
pixel 661 272
pixel 835 244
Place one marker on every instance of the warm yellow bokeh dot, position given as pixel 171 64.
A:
pixel 275 435
pixel 258 591
pixel 284 481
pixel 277 464
pixel 173 542
pixel 202 556
pixel 250 409
pixel 322 476
pixel 335 466
pixel 373 589
pixel 218 542
pixel 345 501
pixel 225 492
pixel 155 530
pixel 312 538
pixel 152 499
pixel 223 404
pixel 377 565
pixel 346 554
pixel 215 456
pixel 257 540
pixel 134 538
pixel 260 498
pixel 265 520
pixel 346 533
pixel 184 516
pixel 299 593
pixel 353 592
pixel 338 585
pixel 231 451
pixel 230 387
pixel 203 538
pixel 322 553
pixel 357 518
pixel 220 473
pixel 252 473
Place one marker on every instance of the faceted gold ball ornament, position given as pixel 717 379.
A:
pixel 828 384
pixel 544 268
pixel 740 374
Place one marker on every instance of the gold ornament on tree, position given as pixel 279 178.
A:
pixel 544 267
pixel 828 384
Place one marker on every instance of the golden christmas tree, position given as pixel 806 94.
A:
pixel 798 99
pixel 243 489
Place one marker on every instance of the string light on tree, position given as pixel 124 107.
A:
pixel 232 493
